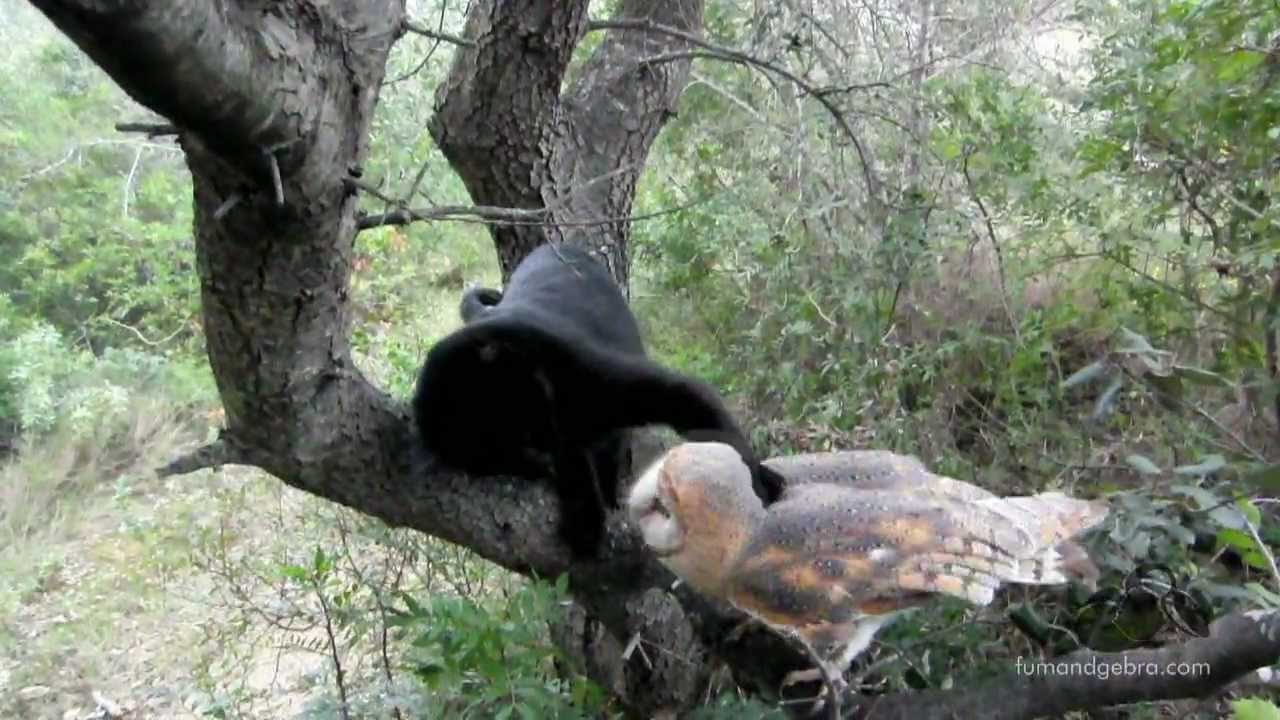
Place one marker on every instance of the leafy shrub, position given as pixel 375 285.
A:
pixel 495 659
pixel 46 384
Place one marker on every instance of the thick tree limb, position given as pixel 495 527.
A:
pixel 1236 646
pixel 616 107
pixel 495 113
pixel 213 455
pixel 228 74
pixel 517 142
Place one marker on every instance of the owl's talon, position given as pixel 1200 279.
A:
pixel 796 677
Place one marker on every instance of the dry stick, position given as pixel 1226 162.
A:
pixel 1262 547
pixel 1271 315
pixel 340 677
pixel 128 183
pixel 493 215
pixel 143 338
pixel 376 589
pixel 227 205
pixel 151 129
pixel 276 183
pixel 991 233
pixel 436 35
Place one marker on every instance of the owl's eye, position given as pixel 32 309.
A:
pixel 656 506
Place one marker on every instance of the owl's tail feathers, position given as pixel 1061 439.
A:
pixel 1045 553
pixel 1023 540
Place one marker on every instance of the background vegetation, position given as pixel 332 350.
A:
pixel 1055 268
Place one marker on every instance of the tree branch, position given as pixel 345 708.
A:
pixel 718 52
pixel 496 113
pixel 496 108
pixel 435 35
pixel 484 213
pixel 404 215
pixel 616 107
pixel 223 79
pixel 213 455
pixel 152 130
pixel 1237 645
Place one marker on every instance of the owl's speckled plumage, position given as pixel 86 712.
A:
pixel 855 538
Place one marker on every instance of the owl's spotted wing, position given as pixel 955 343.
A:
pixel 884 470
pixel 834 555
pixel 870 470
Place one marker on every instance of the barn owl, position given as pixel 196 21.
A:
pixel 863 537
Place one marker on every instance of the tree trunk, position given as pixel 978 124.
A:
pixel 272 103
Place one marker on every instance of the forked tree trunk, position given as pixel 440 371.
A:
pixel 272 103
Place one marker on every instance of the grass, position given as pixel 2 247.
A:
pixel 93 544
pixel 162 598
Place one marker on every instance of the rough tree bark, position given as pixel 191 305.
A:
pixel 272 103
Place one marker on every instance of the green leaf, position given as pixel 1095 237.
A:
pixel 1238 64
pixel 1201 377
pixel 1250 511
pixel 1135 343
pixel 1204 499
pixel 1254 709
pixel 1142 464
pixel 1086 374
pixel 1243 543
pixel 320 562
pixel 1237 539
pixel 1266 477
pixel 1208 465
pixel 1229 516
pixel 1265 596
pixel 415 609
pixel 1107 400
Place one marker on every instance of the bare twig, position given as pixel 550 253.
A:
pixel 128 183
pixel 227 205
pixel 489 215
pixel 995 244
pixel 1272 316
pixel 334 652
pixel 437 35
pixel 717 52
pixel 138 333
pixel 276 183
pixel 376 588
pixel 1262 547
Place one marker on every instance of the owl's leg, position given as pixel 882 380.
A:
pixel 835 687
